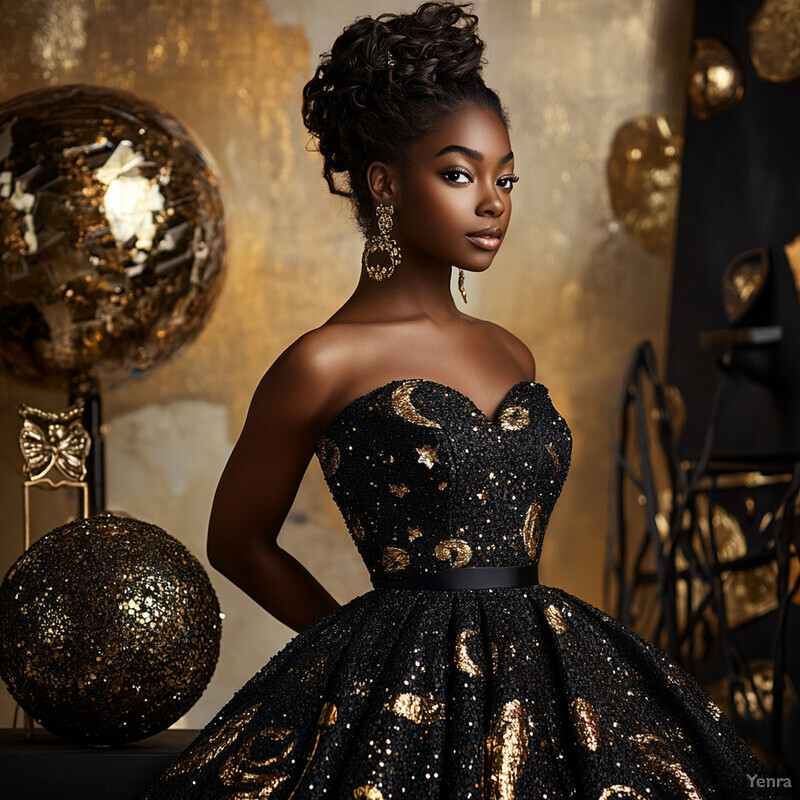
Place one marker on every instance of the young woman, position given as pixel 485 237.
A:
pixel 458 675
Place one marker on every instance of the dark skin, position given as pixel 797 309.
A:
pixel 407 326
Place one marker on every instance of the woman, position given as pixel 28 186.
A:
pixel 459 675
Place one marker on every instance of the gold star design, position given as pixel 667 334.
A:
pixel 427 455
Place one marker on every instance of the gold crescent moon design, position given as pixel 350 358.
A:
pixel 403 407
pixel 463 660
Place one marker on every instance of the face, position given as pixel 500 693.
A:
pixel 454 201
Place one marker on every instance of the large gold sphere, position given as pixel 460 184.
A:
pixel 109 630
pixel 113 238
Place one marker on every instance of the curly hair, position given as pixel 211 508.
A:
pixel 387 82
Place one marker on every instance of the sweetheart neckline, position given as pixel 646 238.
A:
pixel 491 420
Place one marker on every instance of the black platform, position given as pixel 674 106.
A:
pixel 46 767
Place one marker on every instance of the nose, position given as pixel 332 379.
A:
pixel 492 202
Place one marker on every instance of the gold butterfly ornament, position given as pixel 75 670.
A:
pixel 60 441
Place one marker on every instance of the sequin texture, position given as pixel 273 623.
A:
pixel 466 695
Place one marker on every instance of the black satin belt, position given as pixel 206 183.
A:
pixel 463 578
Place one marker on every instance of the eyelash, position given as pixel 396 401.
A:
pixel 512 178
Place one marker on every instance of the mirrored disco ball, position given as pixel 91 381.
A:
pixel 113 237
pixel 109 630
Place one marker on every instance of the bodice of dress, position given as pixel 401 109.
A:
pixel 425 481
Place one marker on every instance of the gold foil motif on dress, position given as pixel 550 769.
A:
pixel 531 529
pixel 328 455
pixel 514 418
pixel 357 528
pixel 328 714
pixel 403 407
pixel 660 763
pixel 456 549
pixel 420 710
pixel 394 559
pixel 428 455
pixel 238 770
pixel 612 792
pixel 463 659
pixel 507 751
pixel 367 792
pixel 216 743
pixel 555 619
pixel 584 720
pixel 553 455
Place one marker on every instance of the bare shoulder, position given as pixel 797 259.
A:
pixel 306 379
pixel 518 350
pixel 317 356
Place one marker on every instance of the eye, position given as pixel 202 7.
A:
pixel 507 181
pixel 453 176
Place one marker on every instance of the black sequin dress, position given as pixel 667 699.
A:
pixel 493 694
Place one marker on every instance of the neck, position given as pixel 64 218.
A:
pixel 411 291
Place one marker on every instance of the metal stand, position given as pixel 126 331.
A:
pixel 681 538
pixel 52 443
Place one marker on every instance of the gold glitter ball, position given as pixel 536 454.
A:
pixel 111 630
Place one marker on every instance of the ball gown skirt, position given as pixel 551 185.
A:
pixel 516 691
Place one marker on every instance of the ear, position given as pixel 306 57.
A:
pixel 383 182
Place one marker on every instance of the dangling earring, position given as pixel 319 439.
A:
pixel 461 285
pixel 382 243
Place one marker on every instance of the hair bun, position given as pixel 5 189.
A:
pixel 371 94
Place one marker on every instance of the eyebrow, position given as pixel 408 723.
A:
pixel 470 153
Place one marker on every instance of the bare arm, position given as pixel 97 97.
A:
pixel 259 484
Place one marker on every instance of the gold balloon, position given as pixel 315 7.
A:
pixel 111 630
pixel 775 40
pixel 113 237
pixel 643 179
pixel 715 79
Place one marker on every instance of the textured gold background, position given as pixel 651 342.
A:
pixel 569 280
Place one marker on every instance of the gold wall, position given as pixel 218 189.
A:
pixel 569 280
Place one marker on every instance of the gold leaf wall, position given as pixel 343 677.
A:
pixel 569 281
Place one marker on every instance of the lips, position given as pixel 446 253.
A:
pixel 486 239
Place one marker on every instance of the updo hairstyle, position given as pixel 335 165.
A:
pixel 386 83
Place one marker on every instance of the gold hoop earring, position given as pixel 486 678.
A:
pixel 381 243
pixel 461 285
